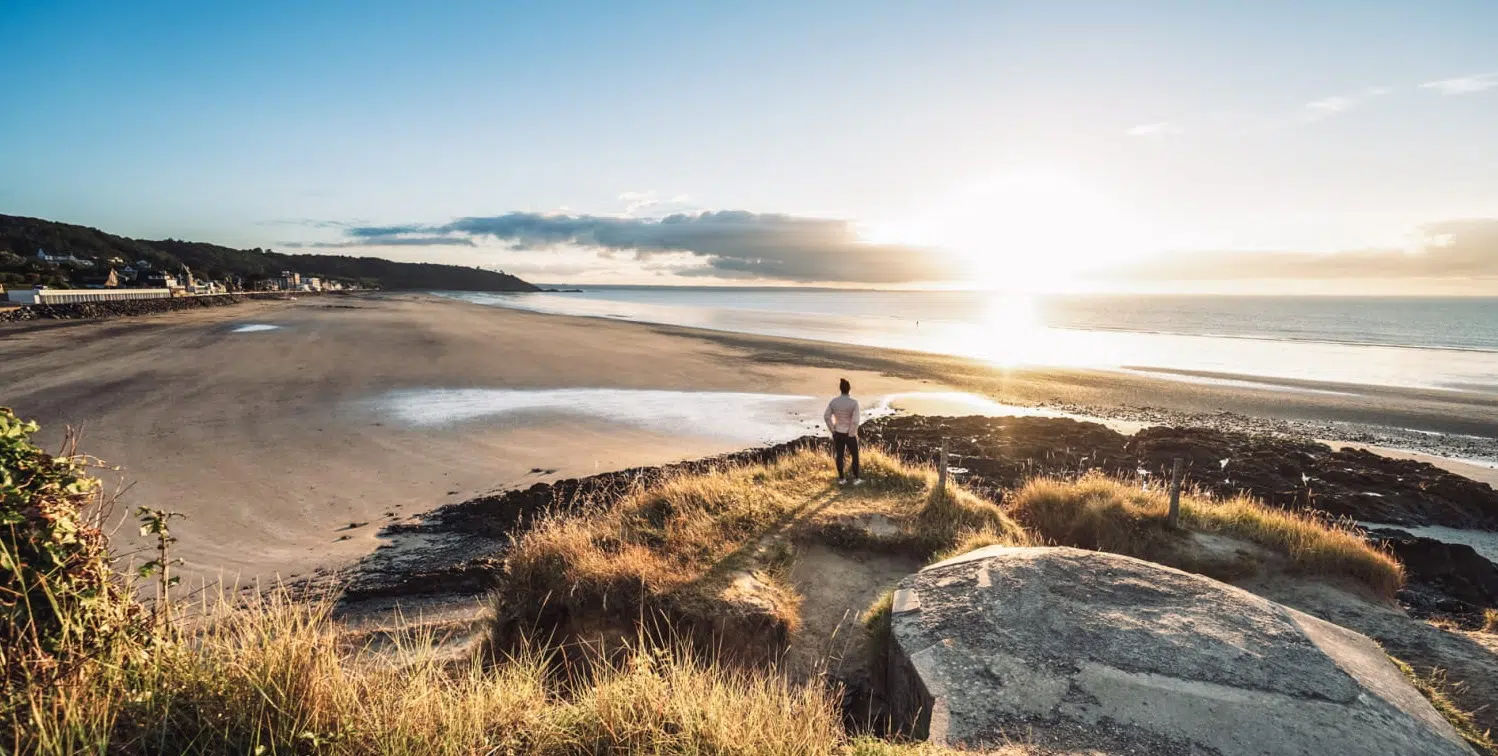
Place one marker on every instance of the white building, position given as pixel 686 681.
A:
pixel 64 259
pixel 75 296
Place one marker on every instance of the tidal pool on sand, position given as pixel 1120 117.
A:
pixel 254 328
pixel 741 416
pixel 719 414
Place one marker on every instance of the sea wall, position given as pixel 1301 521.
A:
pixel 128 307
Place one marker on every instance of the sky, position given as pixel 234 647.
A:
pixel 1296 147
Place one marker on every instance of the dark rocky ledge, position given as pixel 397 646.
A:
pixel 456 549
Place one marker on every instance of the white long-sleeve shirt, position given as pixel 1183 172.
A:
pixel 842 415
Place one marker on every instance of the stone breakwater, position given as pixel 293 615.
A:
pixel 130 307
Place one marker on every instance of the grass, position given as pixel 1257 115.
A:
pixel 704 556
pixel 276 678
pixel 707 553
pixel 1434 687
pixel 1490 620
pixel 1097 512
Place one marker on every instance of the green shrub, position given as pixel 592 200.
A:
pixel 58 596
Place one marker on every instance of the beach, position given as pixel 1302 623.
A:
pixel 290 432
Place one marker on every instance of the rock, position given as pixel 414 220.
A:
pixel 1074 649
pixel 1443 578
pixel 456 548
pixel 1001 452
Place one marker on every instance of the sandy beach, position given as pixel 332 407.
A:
pixel 289 432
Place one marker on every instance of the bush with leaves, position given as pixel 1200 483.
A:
pixel 59 598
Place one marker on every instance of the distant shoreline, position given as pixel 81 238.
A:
pixel 1444 348
pixel 1461 426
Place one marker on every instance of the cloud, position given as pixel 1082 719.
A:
pixel 638 203
pixel 306 223
pixel 728 243
pixel 1157 129
pixel 1327 107
pixel 1464 84
pixel 401 241
pixel 1455 249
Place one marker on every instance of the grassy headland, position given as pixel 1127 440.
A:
pixel 1097 512
pixel 690 583
pixel 711 553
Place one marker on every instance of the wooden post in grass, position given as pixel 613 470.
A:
pixel 941 469
pixel 1175 493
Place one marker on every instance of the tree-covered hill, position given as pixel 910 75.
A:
pixel 21 237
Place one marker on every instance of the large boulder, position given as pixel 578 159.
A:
pixel 1075 649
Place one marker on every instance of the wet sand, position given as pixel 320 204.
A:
pixel 365 410
pixel 274 441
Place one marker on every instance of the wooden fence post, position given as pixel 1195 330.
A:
pixel 1175 492
pixel 941 470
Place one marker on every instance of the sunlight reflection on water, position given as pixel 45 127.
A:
pixel 1009 332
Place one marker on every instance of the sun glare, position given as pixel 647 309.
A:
pixel 1023 231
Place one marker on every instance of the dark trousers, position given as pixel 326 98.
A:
pixel 842 442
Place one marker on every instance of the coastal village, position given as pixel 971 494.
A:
pixel 115 279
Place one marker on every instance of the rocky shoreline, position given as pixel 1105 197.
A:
pixel 1476 449
pixel 456 549
pixel 1352 485
pixel 134 307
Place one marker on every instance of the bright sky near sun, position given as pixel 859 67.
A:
pixel 1006 144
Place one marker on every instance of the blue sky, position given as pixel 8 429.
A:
pixel 1003 142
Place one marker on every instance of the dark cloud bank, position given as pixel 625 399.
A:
pixel 730 243
pixel 741 244
pixel 400 241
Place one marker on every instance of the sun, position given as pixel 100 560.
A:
pixel 1023 230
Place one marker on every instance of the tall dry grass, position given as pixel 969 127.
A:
pixel 709 551
pixel 275 677
pixel 1098 512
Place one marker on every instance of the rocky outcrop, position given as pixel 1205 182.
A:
pixel 1448 579
pixel 1348 482
pixel 1096 651
pixel 1001 452
pixel 456 548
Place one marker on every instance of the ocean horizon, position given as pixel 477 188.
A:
pixel 1445 343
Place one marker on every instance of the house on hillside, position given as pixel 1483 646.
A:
pixel 159 280
pixel 79 262
pixel 287 281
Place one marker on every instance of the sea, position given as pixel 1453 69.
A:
pixel 1326 344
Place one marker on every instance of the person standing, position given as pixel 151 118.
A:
pixel 842 418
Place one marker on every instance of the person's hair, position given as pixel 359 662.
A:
pixel 844 386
